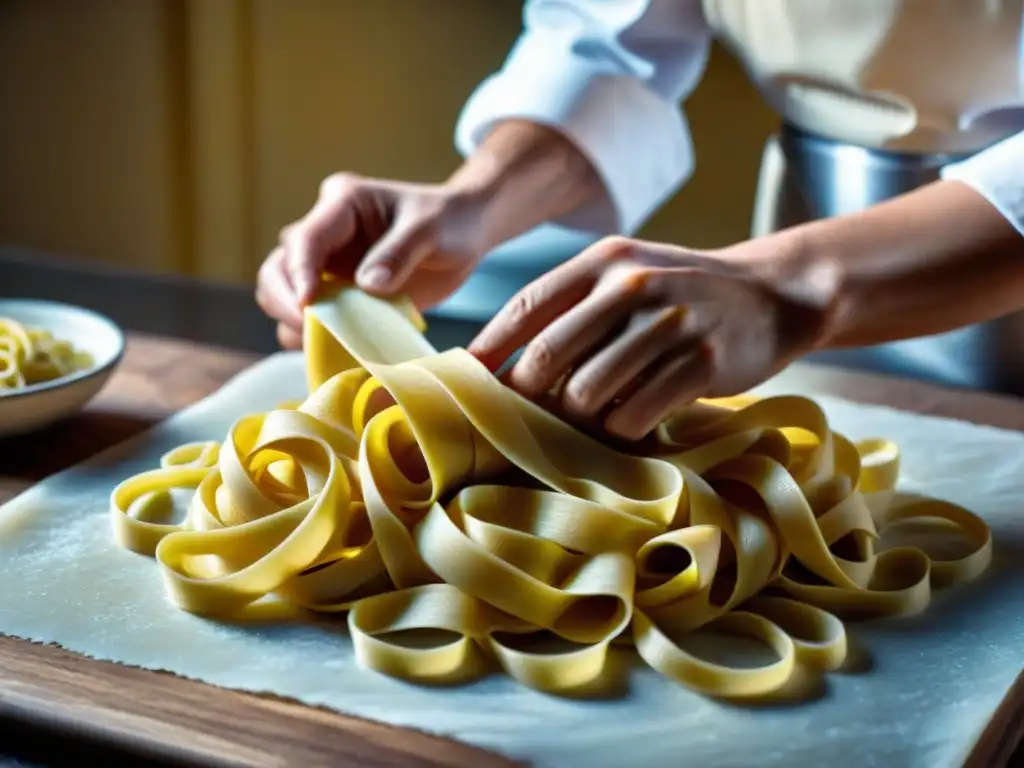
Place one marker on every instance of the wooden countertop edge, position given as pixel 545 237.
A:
pixel 1001 737
pixel 263 729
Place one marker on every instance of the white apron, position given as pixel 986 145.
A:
pixel 875 97
pixel 936 76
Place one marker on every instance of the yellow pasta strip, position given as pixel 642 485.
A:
pixel 415 492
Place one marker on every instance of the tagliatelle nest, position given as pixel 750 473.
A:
pixel 414 491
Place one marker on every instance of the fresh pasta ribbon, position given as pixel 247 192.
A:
pixel 413 491
pixel 30 355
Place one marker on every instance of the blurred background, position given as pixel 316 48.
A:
pixel 179 136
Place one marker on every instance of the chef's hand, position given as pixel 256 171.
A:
pixel 640 329
pixel 392 237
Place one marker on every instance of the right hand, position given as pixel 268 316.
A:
pixel 391 237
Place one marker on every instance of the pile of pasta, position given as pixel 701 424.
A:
pixel 415 492
pixel 30 355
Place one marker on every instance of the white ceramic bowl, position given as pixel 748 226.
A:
pixel 39 405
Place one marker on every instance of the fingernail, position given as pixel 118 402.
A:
pixel 375 277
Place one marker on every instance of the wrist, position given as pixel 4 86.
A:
pixel 925 262
pixel 523 175
pixel 806 282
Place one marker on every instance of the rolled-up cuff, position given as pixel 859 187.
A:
pixel 638 142
pixel 997 174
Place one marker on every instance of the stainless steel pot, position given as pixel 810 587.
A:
pixel 805 177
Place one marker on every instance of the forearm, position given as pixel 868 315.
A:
pixel 930 261
pixel 525 174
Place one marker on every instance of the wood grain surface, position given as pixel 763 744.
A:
pixel 158 717
pixel 161 719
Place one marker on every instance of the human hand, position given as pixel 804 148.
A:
pixel 631 331
pixel 391 237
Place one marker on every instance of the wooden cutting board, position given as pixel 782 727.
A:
pixel 160 716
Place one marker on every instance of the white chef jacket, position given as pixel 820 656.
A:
pixel 611 75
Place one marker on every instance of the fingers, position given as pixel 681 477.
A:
pixel 634 331
pixel 526 314
pixel 393 260
pixel 388 237
pixel 288 337
pixel 568 340
pixel 308 245
pixel 607 375
pixel 310 242
pixel 679 380
pixel 538 305
pixel 276 296
pixel 275 292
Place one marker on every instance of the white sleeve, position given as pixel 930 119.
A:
pixel 610 76
pixel 997 173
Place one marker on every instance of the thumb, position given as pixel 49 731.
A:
pixel 393 260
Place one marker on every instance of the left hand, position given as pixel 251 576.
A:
pixel 638 330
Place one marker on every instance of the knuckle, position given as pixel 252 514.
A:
pixel 540 354
pixel 339 184
pixel 285 233
pixel 268 274
pixel 520 308
pixel 528 375
pixel 302 238
pixel 527 380
pixel 295 238
pixel 581 398
pixel 609 250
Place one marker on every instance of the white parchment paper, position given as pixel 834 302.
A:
pixel 930 686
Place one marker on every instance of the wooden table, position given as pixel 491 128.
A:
pixel 50 698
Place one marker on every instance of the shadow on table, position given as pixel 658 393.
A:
pixel 274 618
pixel 950 609
pixel 38 454
pixel 25 744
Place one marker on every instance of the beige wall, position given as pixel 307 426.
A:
pixel 182 134
pixel 90 129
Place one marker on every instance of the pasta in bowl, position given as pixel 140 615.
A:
pixel 54 358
